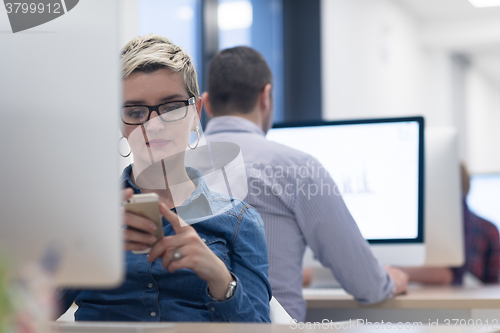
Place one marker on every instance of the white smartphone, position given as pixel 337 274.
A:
pixel 146 205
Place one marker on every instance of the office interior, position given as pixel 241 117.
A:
pixel 337 60
pixel 343 60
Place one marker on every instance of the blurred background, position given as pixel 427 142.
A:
pixel 348 59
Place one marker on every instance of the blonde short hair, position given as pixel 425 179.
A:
pixel 152 52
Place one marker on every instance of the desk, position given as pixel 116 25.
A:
pixel 243 328
pixel 424 303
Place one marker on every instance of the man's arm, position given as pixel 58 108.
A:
pixel 400 279
pixel 429 275
pixel 334 237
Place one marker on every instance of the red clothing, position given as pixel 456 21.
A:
pixel 482 248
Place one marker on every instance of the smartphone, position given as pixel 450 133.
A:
pixel 146 205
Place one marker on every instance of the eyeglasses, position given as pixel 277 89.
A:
pixel 168 112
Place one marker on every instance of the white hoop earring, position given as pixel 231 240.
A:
pixel 127 155
pixel 197 140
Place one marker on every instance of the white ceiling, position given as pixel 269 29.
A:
pixel 432 10
pixel 457 26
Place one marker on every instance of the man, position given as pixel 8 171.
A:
pixel 281 182
pixel 482 242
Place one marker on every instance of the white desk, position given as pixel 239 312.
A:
pixel 421 303
pixel 236 328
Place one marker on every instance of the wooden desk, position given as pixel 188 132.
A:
pixel 421 304
pixel 243 328
pixel 425 303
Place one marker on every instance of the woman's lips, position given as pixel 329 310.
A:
pixel 157 143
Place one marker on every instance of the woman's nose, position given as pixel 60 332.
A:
pixel 155 122
pixel 153 114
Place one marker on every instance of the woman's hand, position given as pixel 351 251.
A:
pixel 138 229
pixel 194 255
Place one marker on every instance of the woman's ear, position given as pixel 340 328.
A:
pixel 199 106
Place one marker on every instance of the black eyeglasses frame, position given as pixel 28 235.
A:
pixel 187 102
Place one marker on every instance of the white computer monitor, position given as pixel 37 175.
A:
pixel 444 226
pixel 484 196
pixel 60 92
pixel 378 165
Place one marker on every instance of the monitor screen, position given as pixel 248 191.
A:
pixel 377 166
pixel 484 197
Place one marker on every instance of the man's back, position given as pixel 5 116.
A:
pixel 300 205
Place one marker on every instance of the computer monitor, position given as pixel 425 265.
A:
pixel 484 196
pixel 60 100
pixel 378 165
pixel 444 226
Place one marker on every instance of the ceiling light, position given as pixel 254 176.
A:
pixel 485 3
pixel 235 15
pixel 185 13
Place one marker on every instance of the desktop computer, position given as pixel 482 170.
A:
pixel 60 99
pixel 484 196
pixel 444 226
pixel 378 165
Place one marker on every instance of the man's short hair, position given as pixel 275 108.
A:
pixel 152 52
pixel 236 77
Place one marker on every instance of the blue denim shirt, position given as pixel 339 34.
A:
pixel 151 293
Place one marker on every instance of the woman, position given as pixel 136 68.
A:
pixel 213 270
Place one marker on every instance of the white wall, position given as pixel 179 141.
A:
pixel 377 62
pixel 128 20
pixel 374 66
pixel 483 122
